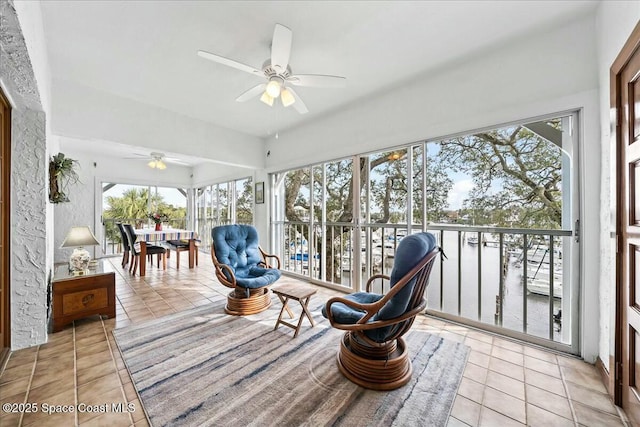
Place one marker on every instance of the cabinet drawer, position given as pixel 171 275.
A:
pixel 77 302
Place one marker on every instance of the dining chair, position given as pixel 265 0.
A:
pixel 135 250
pixel 125 244
pixel 180 246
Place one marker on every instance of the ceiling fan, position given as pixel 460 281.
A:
pixel 157 160
pixel 278 74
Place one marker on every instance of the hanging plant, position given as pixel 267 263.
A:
pixel 61 173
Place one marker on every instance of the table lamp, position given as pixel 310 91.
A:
pixel 79 237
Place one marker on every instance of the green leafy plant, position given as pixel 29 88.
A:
pixel 62 172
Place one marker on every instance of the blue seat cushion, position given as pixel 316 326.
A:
pixel 256 277
pixel 346 315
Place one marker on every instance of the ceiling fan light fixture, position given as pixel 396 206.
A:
pixel 274 87
pixel 267 99
pixel 286 97
pixel 157 164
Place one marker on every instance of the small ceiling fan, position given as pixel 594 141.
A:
pixel 157 160
pixel 278 74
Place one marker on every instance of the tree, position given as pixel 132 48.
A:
pixel 516 175
pixel 385 174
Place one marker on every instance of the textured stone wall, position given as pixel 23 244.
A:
pixel 29 187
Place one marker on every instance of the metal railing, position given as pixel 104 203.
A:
pixel 517 282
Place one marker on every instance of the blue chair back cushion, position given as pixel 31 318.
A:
pixel 410 251
pixel 237 246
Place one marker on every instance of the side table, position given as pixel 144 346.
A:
pixel 75 297
pixel 300 293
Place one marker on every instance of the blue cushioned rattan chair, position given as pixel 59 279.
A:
pixel 372 352
pixel 241 264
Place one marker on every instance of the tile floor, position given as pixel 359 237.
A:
pixel 504 384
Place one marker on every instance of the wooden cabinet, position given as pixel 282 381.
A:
pixel 75 297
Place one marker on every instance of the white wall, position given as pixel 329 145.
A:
pixel 615 22
pixel 24 77
pixel 543 73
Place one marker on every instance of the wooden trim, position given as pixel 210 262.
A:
pixel 604 374
pixel 5 277
pixel 615 385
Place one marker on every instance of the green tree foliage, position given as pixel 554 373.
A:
pixel 516 175
pixel 132 207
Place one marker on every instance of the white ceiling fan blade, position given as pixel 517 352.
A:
pixel 317 80
pixel 254 91
pixel 298 105
pixel 281 48
pixel 230 63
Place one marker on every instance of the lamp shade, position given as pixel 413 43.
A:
pixel 79 236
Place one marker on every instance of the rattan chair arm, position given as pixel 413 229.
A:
pixel 380 323
pixel 220 271
pixel 374 277
pixel 369 309
pixel 266 255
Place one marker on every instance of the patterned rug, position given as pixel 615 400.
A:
pixel 204 367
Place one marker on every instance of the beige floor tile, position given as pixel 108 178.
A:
pixel 509 345
pixel 510 356
pixel 546 382
pixel 110 419
pixel 475 372
pixel 489 418
pixel 10 419
pixel 22 357
pixel 142 423
pixel 547 368
pixel 52 370
pixel 472 390
pixel 479 346
pixel 137 411
pixel 590 417
pixel 589 379
pixel 466 411
pixel 454 422
pixel 94 359
pixel 55 350
pixel 97 371
pixel 505 404
pixel 592 398
pixel 480 359
pixel 506 368
pixel 538 417
pixel 55 420
pixel 95 391
pixel 505 384
pixel 540 354
pixel 92 350
pixel 16 373
pixel 480 336
pixel 549 401
pixel 54 405
pixel 47 391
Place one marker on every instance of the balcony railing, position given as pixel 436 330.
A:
pixel 517 282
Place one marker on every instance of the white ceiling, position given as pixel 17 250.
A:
pixel 146 50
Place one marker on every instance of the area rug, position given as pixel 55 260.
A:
pixel 204 367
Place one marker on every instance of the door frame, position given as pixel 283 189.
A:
pixel 5 278
pixel 616 367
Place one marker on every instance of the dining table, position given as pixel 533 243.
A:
pixel 146 236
